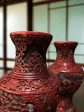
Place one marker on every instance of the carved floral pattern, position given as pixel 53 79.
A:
pixel 18 103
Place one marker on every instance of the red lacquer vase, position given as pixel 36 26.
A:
pixel 69 74
pixel 29 87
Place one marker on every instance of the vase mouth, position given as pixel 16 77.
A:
pixel 31 33
pixel 65 42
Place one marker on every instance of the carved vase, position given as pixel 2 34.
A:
pixel 29 87
pixel 68 72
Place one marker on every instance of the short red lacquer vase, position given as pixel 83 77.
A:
pixel 68 72
pixel 29 87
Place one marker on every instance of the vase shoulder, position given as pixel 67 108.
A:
pixel 65 67
pixel 29 85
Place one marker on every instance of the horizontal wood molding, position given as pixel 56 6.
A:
pixel 10 2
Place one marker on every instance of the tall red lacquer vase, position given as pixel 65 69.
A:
pixel 29 87
pixel 68 72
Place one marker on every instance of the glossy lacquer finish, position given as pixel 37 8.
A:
pixel 69 74
pixel 29 87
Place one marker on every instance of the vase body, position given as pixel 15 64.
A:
pixel 68 72
pixel 29 87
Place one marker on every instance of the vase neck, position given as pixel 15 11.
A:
pixel 65 52
pixel 65 56
pixel 31 50
pixel 31 60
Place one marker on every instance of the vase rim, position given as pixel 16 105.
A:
pixel 66 42
pixel 33 33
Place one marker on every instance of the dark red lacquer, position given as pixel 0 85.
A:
pixel 29 87
pixel 69 74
